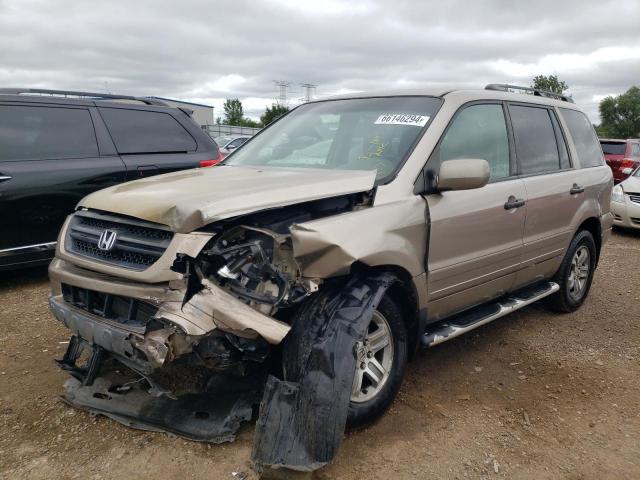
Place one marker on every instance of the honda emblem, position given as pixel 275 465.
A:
pixel 107 240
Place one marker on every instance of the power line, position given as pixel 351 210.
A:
pixel 308 91
pixel 283 87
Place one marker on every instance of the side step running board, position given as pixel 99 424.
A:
pixel 466 321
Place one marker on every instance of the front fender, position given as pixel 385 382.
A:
pixel 389 234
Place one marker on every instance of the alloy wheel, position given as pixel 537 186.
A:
pixel 579 272
pixel 374 359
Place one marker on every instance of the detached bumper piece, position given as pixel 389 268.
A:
pixel 105 387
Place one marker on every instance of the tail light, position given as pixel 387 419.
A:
pixel 211 163
pixel 627 166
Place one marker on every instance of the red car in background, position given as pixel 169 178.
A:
pixel 623 156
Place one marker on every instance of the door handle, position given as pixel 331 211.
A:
pixel 4 178
pixel 576 189
pixel 513 202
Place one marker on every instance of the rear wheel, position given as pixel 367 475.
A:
pixel 575 274
pixel 381 358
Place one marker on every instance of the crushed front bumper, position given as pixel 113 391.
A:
pixel 210 309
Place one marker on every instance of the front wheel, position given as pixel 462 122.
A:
pixel 381 358
pixel 575 274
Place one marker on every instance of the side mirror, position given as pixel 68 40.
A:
pixel 463 174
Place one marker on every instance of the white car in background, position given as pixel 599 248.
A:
pixel 625 202
pixel 229 144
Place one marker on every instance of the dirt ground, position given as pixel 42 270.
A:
pixel 531 396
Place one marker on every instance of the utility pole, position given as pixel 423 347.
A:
pixel 283 87
pixel 308 91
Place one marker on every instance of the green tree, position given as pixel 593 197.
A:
pixel 621 115
pixel 272 113
pixel 601 131
pixel 550 83
pixel 233 112
pixel 247 122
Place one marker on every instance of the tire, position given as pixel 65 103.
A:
pixel 369 402
pixel 574 290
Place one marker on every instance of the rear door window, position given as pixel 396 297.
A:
pixel 584 138
pixel 139 131
pixel 536 147
pixel 479 131
pixel 35 132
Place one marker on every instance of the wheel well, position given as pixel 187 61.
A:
pixel 592 225
pixel 405 295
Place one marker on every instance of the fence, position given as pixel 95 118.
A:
pixel 218 130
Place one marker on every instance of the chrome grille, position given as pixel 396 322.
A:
pixel 137 246
pixel 634 197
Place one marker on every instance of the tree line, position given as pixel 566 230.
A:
pixel 234 114
pixel 619 115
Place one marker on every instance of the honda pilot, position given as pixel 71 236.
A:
pixel 303 272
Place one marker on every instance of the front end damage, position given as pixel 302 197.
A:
pixel 237 328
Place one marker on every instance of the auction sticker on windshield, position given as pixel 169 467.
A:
pixel 402 119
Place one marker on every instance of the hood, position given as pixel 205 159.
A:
pixel 190 199
pixel 631 185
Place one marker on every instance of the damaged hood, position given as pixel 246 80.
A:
pixel 190 199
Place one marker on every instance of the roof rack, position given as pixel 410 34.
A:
pixel 90 95
pixel 503 87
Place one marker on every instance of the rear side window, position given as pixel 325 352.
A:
pixel 614 148
pixel 584 138
pixel 138 131
pixel 46 132
pixel 635 150
pixel 536 146
pixel 479 131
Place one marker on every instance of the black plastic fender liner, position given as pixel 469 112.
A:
pixel 303 417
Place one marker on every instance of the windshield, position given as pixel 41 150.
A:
pixel 613 148
pixel 355 134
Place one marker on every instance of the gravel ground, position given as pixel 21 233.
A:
pixel 533 396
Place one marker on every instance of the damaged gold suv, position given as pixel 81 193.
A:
pixel 304 271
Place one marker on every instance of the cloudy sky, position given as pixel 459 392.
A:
pixel 210 50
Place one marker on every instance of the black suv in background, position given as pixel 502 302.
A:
pixel 56 147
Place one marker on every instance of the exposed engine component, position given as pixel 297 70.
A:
pixel 226 352
pixel 257 266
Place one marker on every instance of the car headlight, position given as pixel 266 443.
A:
pixel 617 194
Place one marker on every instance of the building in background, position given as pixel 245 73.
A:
pixel 202 114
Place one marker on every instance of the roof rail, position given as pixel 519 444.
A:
pixel 503 87
pixel 89 95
